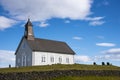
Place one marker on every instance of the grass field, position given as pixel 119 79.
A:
pixel 59 67
pixel 67 67
pixel 88 78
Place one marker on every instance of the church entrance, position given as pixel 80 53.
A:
pixel 23 60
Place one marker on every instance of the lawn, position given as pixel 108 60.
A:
pixel 59 67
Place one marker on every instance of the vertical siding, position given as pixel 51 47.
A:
pixel 25 52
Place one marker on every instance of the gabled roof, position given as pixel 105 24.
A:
pixel 50 46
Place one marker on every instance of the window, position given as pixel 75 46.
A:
pixel 52 59
pixel 60 59
pixel 67 60
pixel 43 59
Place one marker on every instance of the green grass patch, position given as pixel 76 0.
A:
pixel 88 78
pixel 59 67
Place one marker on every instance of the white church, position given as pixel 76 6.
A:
pixel 36 51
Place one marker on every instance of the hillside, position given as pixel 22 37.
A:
pixel 59 67
pixel 61 72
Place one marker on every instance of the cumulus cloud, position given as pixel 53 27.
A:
pixel 6 22
pixel 6 58
pixel 82 58
pixel 106 44
pixel 41 10
pixel 77 38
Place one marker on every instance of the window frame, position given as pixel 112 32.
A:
pixel 43 59
pixel 67 60
pixel 60 59
pixel 52 59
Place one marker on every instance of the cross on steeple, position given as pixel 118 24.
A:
pixel 29 31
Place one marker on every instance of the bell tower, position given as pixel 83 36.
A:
pixel 29 35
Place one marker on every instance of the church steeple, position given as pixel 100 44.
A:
pixel 29 35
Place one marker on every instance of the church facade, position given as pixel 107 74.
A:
pixel 36 51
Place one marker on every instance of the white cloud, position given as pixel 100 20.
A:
pixel 41 10
pixel 107 57
pixel 82 58
pixel 43 24
pixel 94 18
pixel 114 51
pixel 106 44
pixel 6 22
pixel 112 54
pixel 6 58
pixel 96 23
pixel 77 38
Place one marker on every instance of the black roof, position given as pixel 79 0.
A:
pixel 49 46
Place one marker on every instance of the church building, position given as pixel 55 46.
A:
pixel 36 51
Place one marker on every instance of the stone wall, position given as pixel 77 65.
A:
pixel 48 75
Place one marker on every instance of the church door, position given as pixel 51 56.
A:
pixel 24 61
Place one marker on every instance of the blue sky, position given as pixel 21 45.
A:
pixel 90 27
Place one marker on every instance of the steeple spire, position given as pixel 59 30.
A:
pixel 29 35
pixel 28 23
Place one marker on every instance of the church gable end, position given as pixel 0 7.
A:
pixel 23 54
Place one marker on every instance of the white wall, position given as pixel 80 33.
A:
pixel 37 58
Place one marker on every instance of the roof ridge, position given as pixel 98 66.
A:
pixel 50 40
